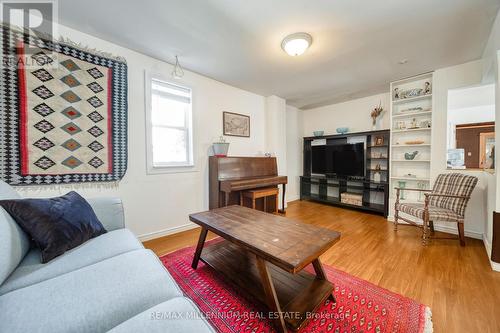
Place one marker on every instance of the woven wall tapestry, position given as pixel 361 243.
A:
pixel 63 113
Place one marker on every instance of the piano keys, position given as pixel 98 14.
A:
pixel 230 175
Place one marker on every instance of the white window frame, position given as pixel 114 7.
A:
pixel 172 167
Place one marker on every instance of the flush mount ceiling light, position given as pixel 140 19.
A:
pixel 296 44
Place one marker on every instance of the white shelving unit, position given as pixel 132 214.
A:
pixel 411 145
pixel 410 99
pixel 410 130
pixel 402 115
pixel 411 178
pixel 411 120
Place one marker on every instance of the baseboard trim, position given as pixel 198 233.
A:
pixel 166 232
pixel 494 265
pixel 292 198
pixel 453 230
pixel 447 229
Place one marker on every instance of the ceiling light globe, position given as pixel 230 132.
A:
pixel 296 44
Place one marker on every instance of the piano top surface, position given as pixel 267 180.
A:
pixel 245 167
pixel 238 184
pixel 236 179
pixel 242 173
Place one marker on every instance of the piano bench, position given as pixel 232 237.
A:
pixel 267 193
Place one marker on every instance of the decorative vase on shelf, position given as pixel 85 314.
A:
pixel 376 177
pixel 402 185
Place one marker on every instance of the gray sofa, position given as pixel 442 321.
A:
pixel 110 283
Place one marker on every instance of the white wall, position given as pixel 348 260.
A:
pixel 354 114
pixel 490 53
pixel 275 125
pixel 294 155
pixel 156 204
pixel 469 105
pixel 478 114
pixel 468 97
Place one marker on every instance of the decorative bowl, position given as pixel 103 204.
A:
pixel 342 130
pixel 318 133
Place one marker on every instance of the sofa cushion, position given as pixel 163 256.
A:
pixel 14 243
pixel 176 315
pixel 55 224
pixel 109 211
pixel 31 270
pixel 95 298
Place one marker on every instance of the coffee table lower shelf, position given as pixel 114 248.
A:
pixel 298 294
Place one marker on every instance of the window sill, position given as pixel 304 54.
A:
pixel 171 169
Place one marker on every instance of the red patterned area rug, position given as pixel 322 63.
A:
pixel 361 306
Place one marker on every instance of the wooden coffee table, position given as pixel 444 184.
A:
pixel 264 255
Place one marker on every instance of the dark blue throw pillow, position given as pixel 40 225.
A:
pixel 56 224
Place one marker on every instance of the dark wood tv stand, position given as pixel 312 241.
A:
pixel 328 189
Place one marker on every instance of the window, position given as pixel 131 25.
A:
pixel 169 125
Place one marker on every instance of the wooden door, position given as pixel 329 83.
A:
pixel 467 136
pixel 486 146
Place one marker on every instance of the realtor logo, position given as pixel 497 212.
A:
pixel 37 18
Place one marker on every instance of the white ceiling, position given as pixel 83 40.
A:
pixel 357 44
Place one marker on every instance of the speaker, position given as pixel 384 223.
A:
pixel 495 246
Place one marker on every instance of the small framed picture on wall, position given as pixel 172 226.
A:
pixel 235 124
pixel 379 141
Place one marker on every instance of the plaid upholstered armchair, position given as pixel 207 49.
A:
pixel 445 202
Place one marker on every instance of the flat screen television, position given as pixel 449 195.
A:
pixel 318 160
pixel 339 160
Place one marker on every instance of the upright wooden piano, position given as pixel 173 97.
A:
pixel 230 175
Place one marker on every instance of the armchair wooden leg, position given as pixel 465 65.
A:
pixel 461 234
pixel 396 217
pixel 431 226
pixel 425 228
pixel 425 220
pixel 396 211
pixel 424 231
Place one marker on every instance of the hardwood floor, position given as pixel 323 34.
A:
pixel 456 282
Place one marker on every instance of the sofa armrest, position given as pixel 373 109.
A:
pixel 109 211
